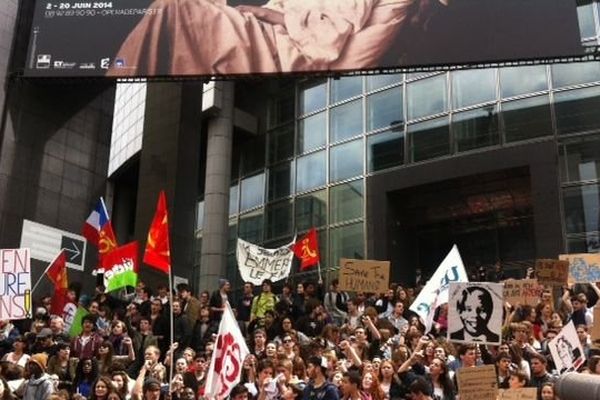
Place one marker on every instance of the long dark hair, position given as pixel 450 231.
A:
pixel 80 376
pixel 109 387
pixel 444 379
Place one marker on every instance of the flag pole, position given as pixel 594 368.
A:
pixel 45 271
pixel 171 326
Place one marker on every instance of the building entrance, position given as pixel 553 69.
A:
pixel 489 217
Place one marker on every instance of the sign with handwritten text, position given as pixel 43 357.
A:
pixel 522 291
pixel 518 394
pixel 552 272
pixel 367 276
pixel 15 284
pixel 477 383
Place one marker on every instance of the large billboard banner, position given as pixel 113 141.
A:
pixel 193 38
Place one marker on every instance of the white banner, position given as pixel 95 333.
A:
pixel 435 292
pixel 227 359
pixel 257 263
pixel 15 281
pixel 566 349
pixel 475 312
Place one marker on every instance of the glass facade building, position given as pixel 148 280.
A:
pixel 325 138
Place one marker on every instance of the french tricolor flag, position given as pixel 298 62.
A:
pixel 98 229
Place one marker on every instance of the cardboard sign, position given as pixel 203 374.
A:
pixel 364 275
pixel 523 291
pixel 595 329
pixel 583 268
pixel 475 312
pixel 552 272
pixel 477 383
pixel 529 393
pixel 566 349
pixel 15 284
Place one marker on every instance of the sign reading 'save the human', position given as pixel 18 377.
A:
pixel 367 276
pixel 200 38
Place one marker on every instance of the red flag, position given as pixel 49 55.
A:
pixel 57 273
pixel 157 252
pixel 307 249
pixel 98 230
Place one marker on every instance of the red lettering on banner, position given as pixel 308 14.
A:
pixel 227 362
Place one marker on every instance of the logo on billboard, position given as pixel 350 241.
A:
pixel 43 61
pixel 89 65
pixel 105 63
pixel 59 64
pixel 120 62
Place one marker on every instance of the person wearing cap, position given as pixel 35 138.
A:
pixel 190 305
pixel 319 388
pixel 39 386
pixel 218 299
pixel 44 342
pixel 146 387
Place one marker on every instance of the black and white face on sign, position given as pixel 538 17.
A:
pixel 475 312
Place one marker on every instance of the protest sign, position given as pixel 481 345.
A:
pixel 477 383
pixel 529 393
pixel 435 292
pixel 552 272
pixel 475 312
pixel 257 263
pixel 566 349
pixel 595 329
pixel 583 268
pixel 523 291
pixel 367 276
pixel 15 284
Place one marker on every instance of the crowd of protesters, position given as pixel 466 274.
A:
pixel 306 342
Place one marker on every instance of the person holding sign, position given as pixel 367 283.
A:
pixel 475 308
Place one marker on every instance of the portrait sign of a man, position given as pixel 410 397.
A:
pixel 475 313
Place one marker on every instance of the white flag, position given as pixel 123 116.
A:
pixel 435 293
pixel 257 263
pixel 228 356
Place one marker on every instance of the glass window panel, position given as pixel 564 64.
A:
pixel 311 210
pixel 200 215
pixel 232 236
pixel 527 118
pixel 281 143
pixel 345 87
pixel 279 219
pixel 385 150
pixel 346 242
pixel 427 97
pixel 575 73
pixel 312 133
pixel 253 192
pixel 581 208
pixel 577 110
pixel 281 181
pixel 253 155
pixel 233 199
pixel 311 171
pixel 346 121
pixel 473 87
pixel 515 81
pixel 429 139
pixel 585 14
pixel 282 109
pixel 384 109
pixel 346 202
pixel 313 97
pixel 476 128
pixel 251 227
pixel 580 161
pixel 379 81
pixel 586 243
pixel 346 161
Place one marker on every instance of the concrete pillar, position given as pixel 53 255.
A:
pixel 216 192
